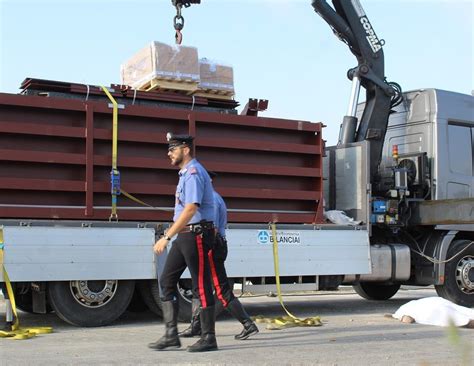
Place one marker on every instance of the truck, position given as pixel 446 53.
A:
pixel 85 189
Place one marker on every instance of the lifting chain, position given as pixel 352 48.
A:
pixel 178 22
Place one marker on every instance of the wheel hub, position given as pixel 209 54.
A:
pixel 465 274
pixel 93 294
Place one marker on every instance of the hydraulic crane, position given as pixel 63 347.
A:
pixel 351 25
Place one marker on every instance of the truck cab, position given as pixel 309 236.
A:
pixel 433 131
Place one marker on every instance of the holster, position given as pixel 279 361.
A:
pixel 220 248
pixel 209 238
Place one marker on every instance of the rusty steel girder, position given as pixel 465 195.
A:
pixel 56 156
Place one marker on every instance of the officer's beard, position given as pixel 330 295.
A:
pixel 178 160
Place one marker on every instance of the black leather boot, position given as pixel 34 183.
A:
pixel 207 342
pixel 170 318
pixel 194 328
pixel 238 312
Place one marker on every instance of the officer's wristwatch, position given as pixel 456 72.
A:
pixel 167 238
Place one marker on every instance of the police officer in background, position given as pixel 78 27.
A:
pixel 193 223
pixel 217 257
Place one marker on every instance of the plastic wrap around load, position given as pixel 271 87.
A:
pixel 158 63
pixel 56 157
pixel 216 79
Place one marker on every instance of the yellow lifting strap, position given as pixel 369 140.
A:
pixel 135 199
pixel 17 332
pixel 114 174
pixel 288 320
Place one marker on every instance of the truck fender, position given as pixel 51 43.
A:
pixel 442 250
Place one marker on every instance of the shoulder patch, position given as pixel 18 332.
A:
pixel 192 170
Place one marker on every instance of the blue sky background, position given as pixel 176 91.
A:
pixel 280 50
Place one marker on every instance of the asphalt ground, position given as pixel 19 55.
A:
pixel 354 332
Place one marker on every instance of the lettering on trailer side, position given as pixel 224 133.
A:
pixel 371 36
pixel 283 237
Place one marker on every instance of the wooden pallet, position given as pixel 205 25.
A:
pixel 215 94
pixel 182 86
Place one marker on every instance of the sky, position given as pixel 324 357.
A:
pixel 280 50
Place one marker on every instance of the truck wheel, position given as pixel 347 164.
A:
pixel 185 301
pixel 137 304
pixel 458 284
pixel 90 303
pixel 150 293
pixel 375 291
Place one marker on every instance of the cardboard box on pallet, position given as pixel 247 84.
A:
pixel 216 77
pixel 159 61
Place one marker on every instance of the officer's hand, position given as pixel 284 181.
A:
pixel 160 245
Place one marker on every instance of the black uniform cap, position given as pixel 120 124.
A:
pixel 179 140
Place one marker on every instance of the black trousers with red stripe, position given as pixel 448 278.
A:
pixel 217 257
pixel 192 251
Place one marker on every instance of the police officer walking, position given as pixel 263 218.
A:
pixel 193 223
pixel 217 257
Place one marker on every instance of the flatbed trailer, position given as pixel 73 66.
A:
pixel 64 254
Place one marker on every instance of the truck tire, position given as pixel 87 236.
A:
pixel 185 301
pixel 458 284
pixel 137 304
pixel 150 293
pixel 90 303
pixel 375 291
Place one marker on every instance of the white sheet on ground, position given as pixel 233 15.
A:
pixel 435 311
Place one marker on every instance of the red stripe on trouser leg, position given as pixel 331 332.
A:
pixel 202 294
pixel 215 279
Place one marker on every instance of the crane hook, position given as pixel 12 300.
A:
pixel 178 37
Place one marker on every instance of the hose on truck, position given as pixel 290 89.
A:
pixel 421 252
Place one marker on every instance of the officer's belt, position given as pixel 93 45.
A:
pixel 197 228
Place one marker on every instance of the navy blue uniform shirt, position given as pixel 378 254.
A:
pixel 195 186
pixel 220 214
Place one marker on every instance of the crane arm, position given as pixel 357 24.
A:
pixel 351 25
pixel 349 22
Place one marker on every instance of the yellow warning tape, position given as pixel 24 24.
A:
pixel 17 332
pixel 289 320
